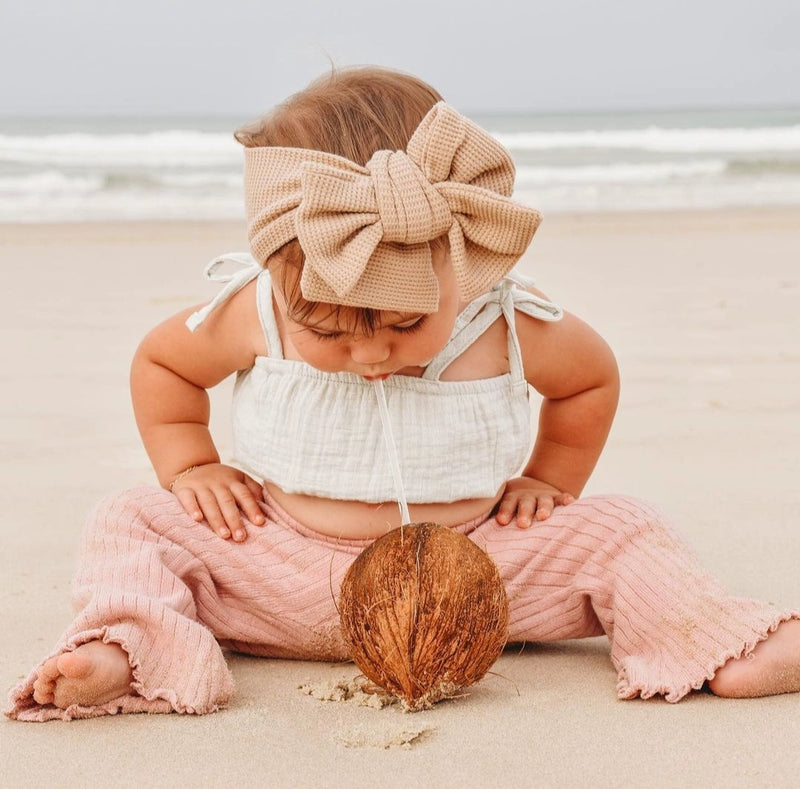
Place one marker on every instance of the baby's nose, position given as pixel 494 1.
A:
pixel 372 350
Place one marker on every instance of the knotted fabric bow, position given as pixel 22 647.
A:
pixel 365 230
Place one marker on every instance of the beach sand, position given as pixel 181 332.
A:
pixel 703 310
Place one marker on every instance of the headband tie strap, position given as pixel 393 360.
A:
pixel 365 230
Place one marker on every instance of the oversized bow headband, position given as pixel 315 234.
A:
pixel 364 230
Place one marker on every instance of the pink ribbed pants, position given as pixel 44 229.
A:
pixel 172 593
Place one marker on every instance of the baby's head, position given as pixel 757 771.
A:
pixel 360 188
pixel 351 113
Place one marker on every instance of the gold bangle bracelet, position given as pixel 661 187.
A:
pixel 181 476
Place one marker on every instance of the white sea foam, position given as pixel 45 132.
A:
pixel 619 172
pixel 225 180
pixel 150 149
pixel 655 139
pixel 49 182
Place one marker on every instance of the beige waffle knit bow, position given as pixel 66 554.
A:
pixel 364 230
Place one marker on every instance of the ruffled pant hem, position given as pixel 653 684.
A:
pixel 636 679
pixel 145 696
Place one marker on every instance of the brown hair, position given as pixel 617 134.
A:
pixel 350 112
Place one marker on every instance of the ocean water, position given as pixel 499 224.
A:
pixel 70 169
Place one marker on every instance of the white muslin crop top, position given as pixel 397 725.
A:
pixel 320 433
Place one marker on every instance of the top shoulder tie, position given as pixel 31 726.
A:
pixel 248 270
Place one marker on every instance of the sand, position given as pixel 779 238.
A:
pixel 703 310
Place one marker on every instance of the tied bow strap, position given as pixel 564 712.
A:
pixel 365 230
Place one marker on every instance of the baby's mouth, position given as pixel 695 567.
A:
pixel 376 377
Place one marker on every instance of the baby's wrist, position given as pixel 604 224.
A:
pixel 169 477
pixel 181 475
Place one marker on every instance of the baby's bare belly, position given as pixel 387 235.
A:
pixel 358 520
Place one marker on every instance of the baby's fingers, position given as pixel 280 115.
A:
pixel 189 503
pixel 247 502
pixel 254 487
pixel 214 513
pixel 506 510
pixel 229 518
pixel 520 507
pixel 562 499
pixel 544 507
pixel 546 504
pixel 526 508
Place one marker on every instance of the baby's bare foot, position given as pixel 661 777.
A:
pixel 92 674
pixel 773 667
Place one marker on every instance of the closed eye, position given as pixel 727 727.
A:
pixel 409 328
pixel 325 335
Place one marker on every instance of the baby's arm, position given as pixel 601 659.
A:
pixel 171 371
pixel 574 370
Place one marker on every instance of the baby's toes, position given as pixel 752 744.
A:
pixel 43 694
pixel 49 670
pixel 44 690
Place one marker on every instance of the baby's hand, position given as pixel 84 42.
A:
pixel 220 495
pixel 528 500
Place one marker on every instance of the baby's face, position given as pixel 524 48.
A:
pixel 401 342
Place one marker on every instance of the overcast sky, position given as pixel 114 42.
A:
pixel 156 57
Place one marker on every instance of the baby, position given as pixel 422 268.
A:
pixel 383 237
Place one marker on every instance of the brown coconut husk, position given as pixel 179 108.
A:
pixel 424 612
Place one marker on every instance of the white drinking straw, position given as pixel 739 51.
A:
pixel 392 449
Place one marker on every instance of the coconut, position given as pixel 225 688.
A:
pixel 424 612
